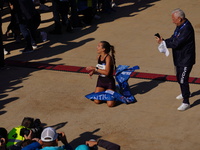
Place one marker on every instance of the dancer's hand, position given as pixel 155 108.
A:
pixel 90 68
pixel 91 73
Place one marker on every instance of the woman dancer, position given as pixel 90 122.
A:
pixel 105 68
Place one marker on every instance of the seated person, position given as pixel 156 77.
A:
pixel 3 138
pixel 49 140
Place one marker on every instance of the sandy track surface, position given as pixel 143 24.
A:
pixel 57 98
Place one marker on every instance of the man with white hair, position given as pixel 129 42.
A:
pixel 182 43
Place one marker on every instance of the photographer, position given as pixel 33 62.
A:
pixel 3 138
pixel 2 63
pixel 28 129
pixel 49 141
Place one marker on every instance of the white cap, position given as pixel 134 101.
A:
pixel 49 134
pixel 163 48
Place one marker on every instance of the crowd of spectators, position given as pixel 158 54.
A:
pixel 67 15
pixel 31 135
pixel 25 19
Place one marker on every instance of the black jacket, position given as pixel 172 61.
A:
pixel 182 43
pixel 24 10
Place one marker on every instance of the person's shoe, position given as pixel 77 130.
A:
pixel 44 36
pixel 6 52
pixel 34 46
pixel 44 7
pixel 179 96
pixel 183 107
pixel 26 51
pixel 113 5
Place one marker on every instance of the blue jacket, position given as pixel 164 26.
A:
pixel 37 146
pixel 182 43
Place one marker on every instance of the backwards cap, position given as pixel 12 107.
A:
pixel 49 134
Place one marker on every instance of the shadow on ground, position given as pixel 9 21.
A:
pixel 144 87
pixel 83 137
pixel 10 79
pixel 58 44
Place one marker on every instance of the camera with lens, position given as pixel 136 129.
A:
pixel 35 127
pixel 1 140
pixel 59 136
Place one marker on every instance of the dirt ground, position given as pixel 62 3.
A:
pixel 58 98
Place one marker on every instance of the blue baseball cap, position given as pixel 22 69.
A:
pixel 82 147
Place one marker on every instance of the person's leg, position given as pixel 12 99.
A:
pixel 183 77
pixel 184 84
pixel 64 11
pixel 98 89
pixel 106 6
pixel 33 25
pixel 56 11
pixel 111 103
pixel 56 17
pixel 88 15
pixel 27 36
pixel 1 48
pixel 76 22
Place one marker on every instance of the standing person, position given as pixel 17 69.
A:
pixel 86 8
pixel 60 16
pixel 75 20
pixel 13 25
pixel 29 20
pixel 1 40
pixel 182 43
pixel 105 69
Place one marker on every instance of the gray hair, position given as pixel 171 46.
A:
pixel 179 13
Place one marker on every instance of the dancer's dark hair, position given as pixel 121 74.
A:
pixel 109 48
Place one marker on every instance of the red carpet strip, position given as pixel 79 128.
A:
pixel 76 69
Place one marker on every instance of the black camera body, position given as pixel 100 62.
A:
pixel 36 129
pixel 24 131
pixel 59 136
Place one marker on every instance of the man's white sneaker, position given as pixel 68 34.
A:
pixel 179 96
pixel 183 107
